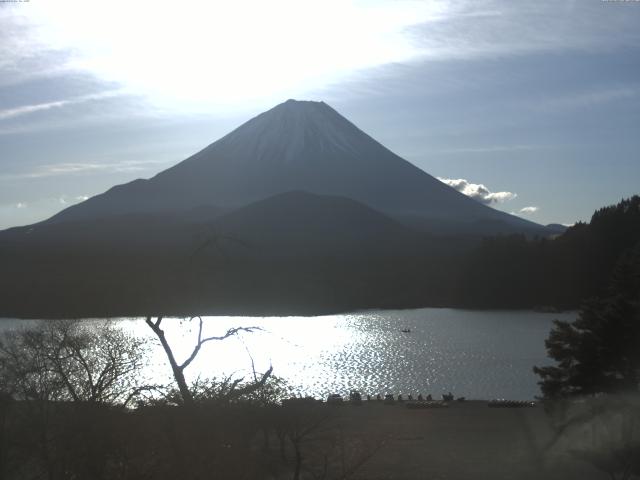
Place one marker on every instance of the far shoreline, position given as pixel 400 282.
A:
pixel 287 314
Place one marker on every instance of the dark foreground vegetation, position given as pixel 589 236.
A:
pixel 236 440
pixel 75 405
pixel 373 441
pixel 310 260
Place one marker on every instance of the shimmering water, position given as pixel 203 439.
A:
pixel 477 354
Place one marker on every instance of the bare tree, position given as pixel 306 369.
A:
pixel 179 368
pixel 70 360
pixel 65 376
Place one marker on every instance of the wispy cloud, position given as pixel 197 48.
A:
pixel 490 149
pixel 73 168
pixel 493 28
pixel 62 169
pixel 27 109
pixel 364 36
pixel 80 168
pixel 584 98
pixel 478 191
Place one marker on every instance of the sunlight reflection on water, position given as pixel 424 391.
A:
pixel 477 354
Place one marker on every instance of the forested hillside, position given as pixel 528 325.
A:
pixel 513 271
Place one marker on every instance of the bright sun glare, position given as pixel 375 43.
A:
pixel 195 54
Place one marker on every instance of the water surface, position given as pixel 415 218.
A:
pixel 477 354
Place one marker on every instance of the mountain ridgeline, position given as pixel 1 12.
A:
pixel 300 146
pixel 296 211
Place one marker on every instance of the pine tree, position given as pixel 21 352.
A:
pixel 600 350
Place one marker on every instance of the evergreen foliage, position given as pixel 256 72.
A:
pixel 600 351
pixel 516 272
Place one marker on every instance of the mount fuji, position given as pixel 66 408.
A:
pixel 297 211
pixel 301 146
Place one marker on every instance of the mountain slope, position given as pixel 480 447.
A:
pixel 300 224
pixel 291 253
pixel 298 146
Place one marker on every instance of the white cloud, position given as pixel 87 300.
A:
pixel 255 58
pixel 219 53
pixel 21 205
pixel 528 210
pixel 478 191
pixel 66 200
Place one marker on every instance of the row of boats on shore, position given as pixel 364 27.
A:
pixel 356 398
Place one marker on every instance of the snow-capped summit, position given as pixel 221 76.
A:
pixel 285 133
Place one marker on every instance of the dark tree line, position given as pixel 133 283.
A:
pixel 50 277
pixel 516 272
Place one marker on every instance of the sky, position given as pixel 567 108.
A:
pixel 530 107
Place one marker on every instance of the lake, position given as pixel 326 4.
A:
pixel 476 354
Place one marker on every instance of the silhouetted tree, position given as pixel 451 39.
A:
pixel 61 382
pixel 599 352
pixel 178 368
pixel 69 360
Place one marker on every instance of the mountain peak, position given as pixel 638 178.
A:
pixel 301 103
pixel 288 132
pixel 303 109
pixel 293 105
